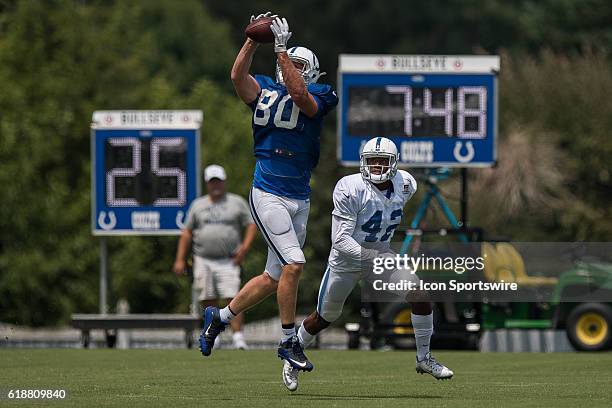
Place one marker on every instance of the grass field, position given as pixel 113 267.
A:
pixel 182 378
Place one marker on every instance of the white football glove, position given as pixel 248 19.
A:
pixel 266 14
pixel 280 28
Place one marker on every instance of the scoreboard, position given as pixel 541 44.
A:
pixel 145 170
pixel 440 110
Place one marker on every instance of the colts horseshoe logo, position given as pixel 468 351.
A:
pixel 179 219
pixel 463 158
pixel 102 220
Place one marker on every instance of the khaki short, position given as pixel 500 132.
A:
pixel 215 278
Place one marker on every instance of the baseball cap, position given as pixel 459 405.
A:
pixel 214 171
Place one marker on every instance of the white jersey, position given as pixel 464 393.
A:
pixel 365 218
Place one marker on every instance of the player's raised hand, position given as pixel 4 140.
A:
pixel 280 28
pixel 266 14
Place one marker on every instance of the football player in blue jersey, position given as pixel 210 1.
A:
pixel 287 119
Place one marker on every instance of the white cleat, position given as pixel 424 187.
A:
pixel 431 366
pixel 239 343
pixel 290 376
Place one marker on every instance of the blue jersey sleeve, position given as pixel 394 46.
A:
pixel 325 97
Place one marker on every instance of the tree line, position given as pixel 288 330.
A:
pixel 61 60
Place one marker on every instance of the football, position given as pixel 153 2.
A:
pixel 259 30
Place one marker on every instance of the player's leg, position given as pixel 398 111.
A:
pixel 227 276
pixel 422 314
pixel 237 336
pixel 422 323
pixel 310 327
pixel 203 280
pixel 212 303
pixel 261 286
pixel 280 219
pixel 253 292
pixel 286 295
pixel 208 296
pixel 290 245
pixel 333 292
pixel 203 306
pixel 422 320
pixel 228 284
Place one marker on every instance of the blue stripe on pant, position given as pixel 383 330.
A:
pixel 263 230
pixel 322 290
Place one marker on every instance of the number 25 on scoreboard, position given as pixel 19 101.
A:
pixel 145 171
pixel 142 180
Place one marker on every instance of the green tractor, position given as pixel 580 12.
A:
pixel 588 324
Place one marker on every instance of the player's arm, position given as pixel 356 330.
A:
pixel 344 222
pixel 296 86
pixel 181 251
pixel 344 243
pixel 293 80
pixel 245 85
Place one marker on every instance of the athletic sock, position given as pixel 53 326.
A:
pixel 288 331
pixel 237 337
pixel 423 329
pixel 226 314
pixel 305 338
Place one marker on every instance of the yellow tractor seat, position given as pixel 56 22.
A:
pixel 503 262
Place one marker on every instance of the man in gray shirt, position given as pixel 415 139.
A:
pixel 214 226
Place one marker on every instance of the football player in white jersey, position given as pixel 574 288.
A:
pixel 367 209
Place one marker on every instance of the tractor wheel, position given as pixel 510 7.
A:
pixel 589 327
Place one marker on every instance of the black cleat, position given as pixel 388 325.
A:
pixel 292 352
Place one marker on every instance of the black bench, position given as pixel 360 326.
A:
pixel 110 323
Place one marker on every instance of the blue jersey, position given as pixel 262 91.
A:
pixel 287 142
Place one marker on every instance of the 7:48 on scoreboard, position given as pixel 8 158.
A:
pixel 439 110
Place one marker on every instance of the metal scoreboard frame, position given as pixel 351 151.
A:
pixel 150 137
pixel 455 74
